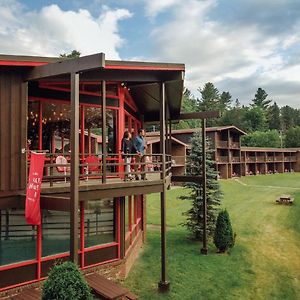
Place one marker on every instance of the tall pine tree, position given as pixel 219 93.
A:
pixel 194 221
pixel 273 117
pixel 260 99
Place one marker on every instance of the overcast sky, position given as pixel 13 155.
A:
pixel 239 45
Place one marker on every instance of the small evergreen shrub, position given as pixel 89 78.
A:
pixel 223 237
pixel 65 282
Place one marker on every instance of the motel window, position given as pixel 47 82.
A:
pixel 17 238
pixel 99 222
pixel 55 232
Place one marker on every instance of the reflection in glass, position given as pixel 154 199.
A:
pixel 99 222
pixel 17 238
pixel 56 232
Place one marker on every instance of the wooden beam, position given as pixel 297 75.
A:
pixel 198 115
pixel 104 146
pixel 204 249
pixel 186 178
pixel 163 284
pixel 74 185
pixel 67 66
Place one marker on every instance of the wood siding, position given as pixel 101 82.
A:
pixel 13 122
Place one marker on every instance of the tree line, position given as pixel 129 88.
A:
pixel 266 124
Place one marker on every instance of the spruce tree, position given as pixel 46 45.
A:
pixel 223 237
pixel 194 221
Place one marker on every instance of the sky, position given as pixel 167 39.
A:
pixel 239 45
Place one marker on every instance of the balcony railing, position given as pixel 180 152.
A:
pixel 260 159
pixel 223 159
pixel 234 145
pixel 57 168
pixel 222 144
pixel 178 161
pixel 251 159
pixel 235 159
pixel 293 158
pixel 278 158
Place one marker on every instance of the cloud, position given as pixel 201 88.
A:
pixel 52 31
pixel 228 52
pixel 154 7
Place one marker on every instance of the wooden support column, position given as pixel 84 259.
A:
pixel 104 146
pixel 170 137
pixel 163 285
pixel 204 249
pixel 74 185
pixel 122 227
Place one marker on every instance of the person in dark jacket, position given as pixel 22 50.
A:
pixel 127 148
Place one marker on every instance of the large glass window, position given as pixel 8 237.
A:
pixel 56 232
pixel 99 222
pixel 17 238
pixel 33 125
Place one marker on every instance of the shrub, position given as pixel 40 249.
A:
pixel 223 237
pixel 65 282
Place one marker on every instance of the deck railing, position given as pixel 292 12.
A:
pixel 57 167
pixel 223 159
pixel 222 144
pixel 234 145
pixel 235 159
pixel 178 160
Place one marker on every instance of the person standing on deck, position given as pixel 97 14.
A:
pixel 139 145
pixel 126 152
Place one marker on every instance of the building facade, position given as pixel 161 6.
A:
pixel 76 111
pixel 233 160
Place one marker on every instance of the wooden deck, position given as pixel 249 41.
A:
pixel 58 196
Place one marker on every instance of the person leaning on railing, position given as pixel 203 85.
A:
pixel 139 145
pixel 127 148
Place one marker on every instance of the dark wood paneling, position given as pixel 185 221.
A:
pixel 18 275
pixel 100 255
pixel 47 265
pixel 13 111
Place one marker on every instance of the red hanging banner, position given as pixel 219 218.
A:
pixel 32 205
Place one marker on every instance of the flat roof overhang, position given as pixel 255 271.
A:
pixel 142 78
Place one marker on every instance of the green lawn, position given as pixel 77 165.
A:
pixel 264 264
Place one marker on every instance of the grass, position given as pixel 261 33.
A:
pixel 264 264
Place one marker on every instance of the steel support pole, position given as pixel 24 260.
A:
pixel 163 285
pixel 74 184
pixel 104 146
pixel 204 249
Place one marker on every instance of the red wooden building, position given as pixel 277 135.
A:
pixel 78 109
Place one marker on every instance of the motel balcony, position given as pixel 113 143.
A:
pixel 235 159
pixel 260 159
pixel 251 159
pixel 223 159
pixel 222 144
pixel 234 145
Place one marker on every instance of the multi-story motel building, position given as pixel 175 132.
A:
pixel 233 160
pixel 66 108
